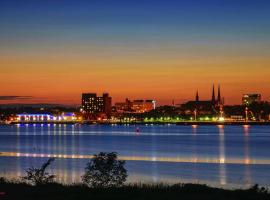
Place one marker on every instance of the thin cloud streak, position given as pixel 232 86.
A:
pixel 10 98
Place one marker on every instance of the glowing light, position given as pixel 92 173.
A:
pixel 214 119
pixel 221 119
pixel 247 161
pixel 222 160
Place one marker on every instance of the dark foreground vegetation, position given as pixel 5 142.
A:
pixel 16 190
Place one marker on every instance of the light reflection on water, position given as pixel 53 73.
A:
pixel 219 155
pixel 222 158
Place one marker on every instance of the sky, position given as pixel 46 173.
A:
pixel 51 51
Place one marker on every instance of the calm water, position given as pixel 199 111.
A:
pixel 229 156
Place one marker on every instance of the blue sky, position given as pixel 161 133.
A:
pixel 167 19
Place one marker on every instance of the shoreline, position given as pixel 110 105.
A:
pixel 184 123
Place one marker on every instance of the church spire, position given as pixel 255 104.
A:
pixel 213 95
pixel 219 95
pixel 197 96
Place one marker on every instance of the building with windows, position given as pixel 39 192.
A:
pixel 122 107
pixel 136 106
pixel 94 106
pixel 248 99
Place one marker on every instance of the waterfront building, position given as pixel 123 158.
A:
pixel 46 118
pixel 141 106
pixel 122 107
pixel 237 118
pixel 136 106
pixel 248 99
pixel 94 106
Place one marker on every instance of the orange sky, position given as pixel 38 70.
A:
pixel 62 77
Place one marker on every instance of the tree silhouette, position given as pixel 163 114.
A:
pixel 39 176
pixel 105 170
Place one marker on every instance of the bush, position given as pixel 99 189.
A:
pixel 105 170
pixel 39 176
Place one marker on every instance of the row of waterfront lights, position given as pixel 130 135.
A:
pixel 46 117
pixel 172 119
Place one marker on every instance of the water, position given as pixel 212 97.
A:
pixel 226 156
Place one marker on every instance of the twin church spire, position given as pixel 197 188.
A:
pixel 214 101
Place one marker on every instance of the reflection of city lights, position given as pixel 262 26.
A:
pixel 246 129
pixel 222 160
pixel 221 126
pixel 247 161
pixel 194 126
pixel 154 159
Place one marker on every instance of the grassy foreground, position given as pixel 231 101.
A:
pixel 15 190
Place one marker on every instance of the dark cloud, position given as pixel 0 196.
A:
pixel 9 98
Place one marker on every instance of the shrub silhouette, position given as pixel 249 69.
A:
pixel 105 170
pixel 39 176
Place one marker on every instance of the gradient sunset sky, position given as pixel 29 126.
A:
pixel 53 50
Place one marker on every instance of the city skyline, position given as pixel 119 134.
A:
pixel 173 101
pixel 51 52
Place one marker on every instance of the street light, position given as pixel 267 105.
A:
pixel 246 112
pixel 195 114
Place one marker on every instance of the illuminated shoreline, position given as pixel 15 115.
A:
pixel 183 123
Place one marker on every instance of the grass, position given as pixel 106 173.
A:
pixel 20 190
